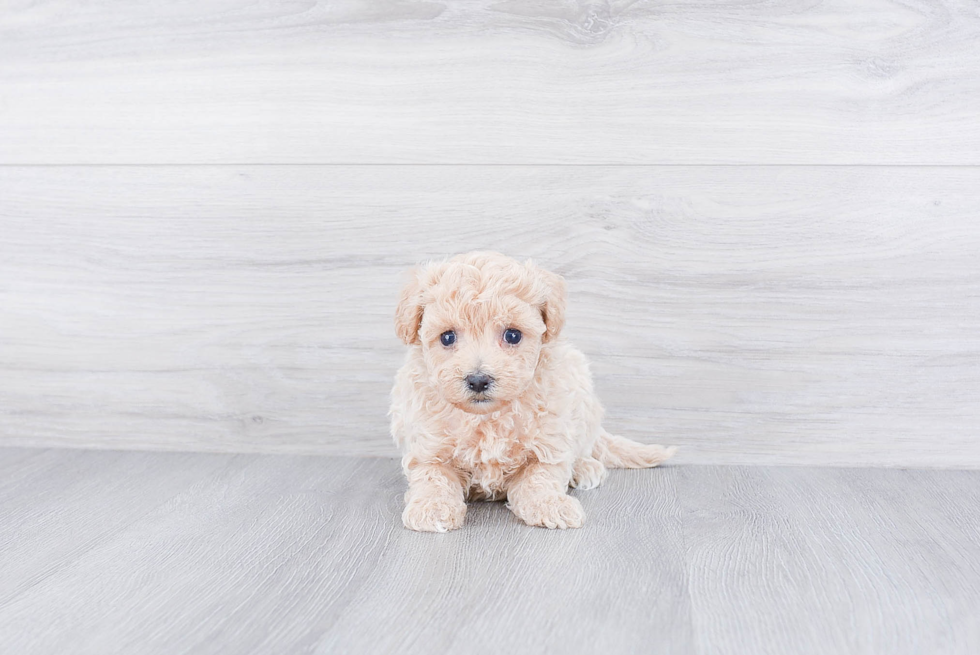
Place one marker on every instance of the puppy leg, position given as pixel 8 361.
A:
pixel 588 473
pixel 539 497
pixel 435 499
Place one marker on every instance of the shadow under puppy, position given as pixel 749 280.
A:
pixel 492 402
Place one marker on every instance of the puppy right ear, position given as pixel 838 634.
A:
pixel 550 292
pixel 408 314
pixel 553 309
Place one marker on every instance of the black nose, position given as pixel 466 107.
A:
pixel 478 382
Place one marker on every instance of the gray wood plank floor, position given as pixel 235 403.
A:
pixel 134 552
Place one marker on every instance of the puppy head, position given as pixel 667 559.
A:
pixel 481 320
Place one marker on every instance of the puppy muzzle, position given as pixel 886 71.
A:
pixel 479 386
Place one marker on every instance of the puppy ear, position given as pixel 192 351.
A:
pixel 408 313
pixel 553 295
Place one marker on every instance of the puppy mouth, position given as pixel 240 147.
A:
pixel 478 404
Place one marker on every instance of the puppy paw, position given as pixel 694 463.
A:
pixel 551 511
pixel 588 473
pixel 434 514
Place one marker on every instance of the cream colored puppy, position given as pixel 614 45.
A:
pixel 491 402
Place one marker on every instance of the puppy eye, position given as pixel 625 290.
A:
pixel 447 338
pixel 512 336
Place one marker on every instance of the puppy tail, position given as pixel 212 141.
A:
pixel 621 453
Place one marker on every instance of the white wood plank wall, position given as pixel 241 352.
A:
pixel 769 215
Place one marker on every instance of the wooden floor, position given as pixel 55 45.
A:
pixel 194 553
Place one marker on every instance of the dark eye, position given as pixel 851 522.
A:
pixel 512 336
pixel 448 338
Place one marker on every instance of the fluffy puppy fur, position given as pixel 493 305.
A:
pixel 479 417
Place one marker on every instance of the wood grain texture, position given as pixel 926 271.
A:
pixel 285 554
pixel 487 81
pixel 749 314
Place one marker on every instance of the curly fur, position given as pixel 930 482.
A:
pixel 535 432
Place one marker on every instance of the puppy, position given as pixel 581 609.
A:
pixel 492 403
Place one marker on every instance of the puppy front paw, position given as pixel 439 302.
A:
pixel 434 514
pixel 550 511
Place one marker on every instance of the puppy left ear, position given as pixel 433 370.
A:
pixel 553 295
pixel 408 313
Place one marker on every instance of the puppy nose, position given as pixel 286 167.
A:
pixel 478 382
